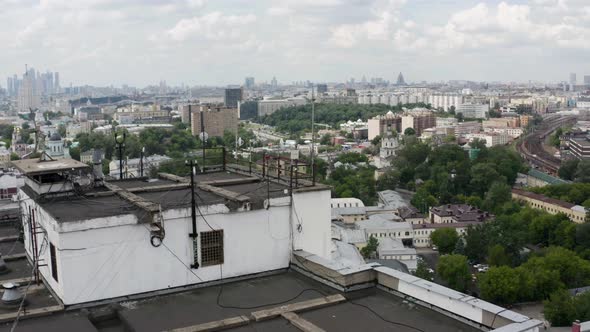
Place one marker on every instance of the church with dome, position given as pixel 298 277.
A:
pixel 55 146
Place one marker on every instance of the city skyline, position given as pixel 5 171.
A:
pixel 113 42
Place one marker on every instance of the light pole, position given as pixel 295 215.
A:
pixel 141 162
pixel 120 141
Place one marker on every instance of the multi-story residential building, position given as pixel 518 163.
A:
pixel 583 103
pixel 216 120
pixel 579 147
pixel 384 125
pixel 576 213
pixel 232 97
pixel 141 116
pixel 506 122
pixel 524 120
pixel 491 139
pixel 418 119
pixel 467 127
pixel 28 93
pixel 269 106
pixel 512 132
pixel 446 122
pixel 445 100
pixel 88 156
pixel 473 111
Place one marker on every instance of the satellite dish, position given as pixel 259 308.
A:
pixel 203 136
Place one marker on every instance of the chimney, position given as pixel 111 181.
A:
pixel 97 166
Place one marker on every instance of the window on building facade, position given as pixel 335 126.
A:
pixel 211 248
pixel 53 257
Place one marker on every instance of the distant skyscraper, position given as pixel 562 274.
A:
pixel 400 79
pixel 249 82
pixel 9 86
pixel 274 82
pixel 56 83
pixel 587 80
pixel 233 96
pixel 321 88
pixel 28 94
pixel 573 78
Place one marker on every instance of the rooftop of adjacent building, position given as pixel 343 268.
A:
pixel 461 212
pixel 543 198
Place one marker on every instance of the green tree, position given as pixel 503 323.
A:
pixel 423 200
pixel 376 140
pixel 568 169
pixel 476 242
pixel 500 285
pixel 453 269
pixel 326 139
pixel 482 176
pixel 61 129
pixel 445 239
pixel 583 172
pixel 14 156
pixel 75 153
pixel 370 249
pixel 422 271
pixel 560 309
pixel 409 132
pixel 498 194
pixel 497 256
pixel 389 180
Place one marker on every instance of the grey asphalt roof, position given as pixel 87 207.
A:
pixel 198 306
pixel 73 208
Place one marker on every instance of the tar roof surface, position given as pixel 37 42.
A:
pixel 200 306
pixel 67 209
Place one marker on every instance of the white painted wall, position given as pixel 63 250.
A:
pixel 312 222
pixel 113 257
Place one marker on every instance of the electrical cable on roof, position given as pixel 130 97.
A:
pixel 384 319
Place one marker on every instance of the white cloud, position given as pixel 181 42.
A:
pixel 290 37
pixel 278 11
pixel 212 26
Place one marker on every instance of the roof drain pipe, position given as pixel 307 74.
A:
pixel 194 235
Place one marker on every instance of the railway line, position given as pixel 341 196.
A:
pixel 531 146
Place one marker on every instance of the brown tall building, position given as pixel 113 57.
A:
pixel 418 120
pixel 217 120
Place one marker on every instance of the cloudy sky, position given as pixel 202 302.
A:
pixel 139 42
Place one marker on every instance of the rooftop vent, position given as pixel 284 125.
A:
pixel 12 296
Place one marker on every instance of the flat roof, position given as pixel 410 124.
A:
pixel 203 305
pixel 36 166
pixel 170 194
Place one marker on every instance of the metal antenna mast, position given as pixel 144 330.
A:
pixel 312 131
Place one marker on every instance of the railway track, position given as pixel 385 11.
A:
pixel 531 146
